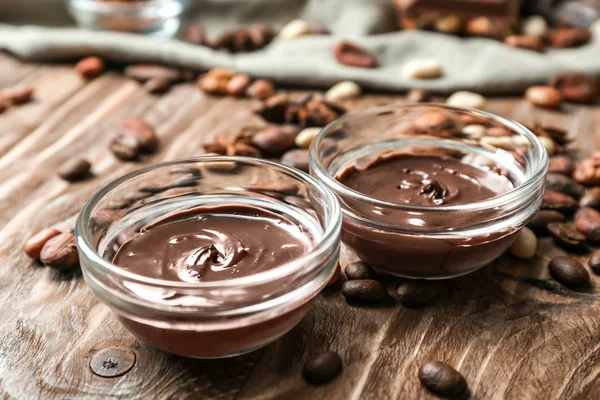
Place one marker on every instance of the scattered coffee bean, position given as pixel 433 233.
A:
pixel 74 169
pixel 441 378
pixel 464 99
pixel 306 136
pixel 215 81
pixel 595 262
pixel 343 91
pixel 591 199
pixel 576 87
pixel 323 367
pixel 352 55
pixel 544 96
pixel 559 202
pixel 359 270
pixel 296 158
pixel 564 184
pixel 238 85
pixel 534 43
pixel 19 94
pixel 569 272
pixel 418 96
pixel 564 38
pixel 260 90
pixel 144 72
pixel 561 164
pixel 133 136
pixel 539 223
pixel 90 67
pixel 33 246
pixel 587 171
pixel 294 29
pixel 60 252
pixel 567 236
pixel 366 290
pixel 275 140
pixel 417 293
pixel 525 246
pixel 587 221
pixel 535 25
pixel 423 68
pixel 157 85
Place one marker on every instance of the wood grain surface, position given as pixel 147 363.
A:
pixel 510 329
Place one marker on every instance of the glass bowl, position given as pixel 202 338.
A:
pixel 219 318
pixel 156 17
pixel 438 241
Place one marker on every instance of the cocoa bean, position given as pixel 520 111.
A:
pixel 352 55
pixel 587 221
pixel 576 87
pixel 559 202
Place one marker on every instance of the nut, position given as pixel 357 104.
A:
pixel 450 24
pixel 423 68
pixel 90 67
pixel 475 132
pixel 342 91
pixel 549 144
pixel 464 99
pixel 576 87
pixel 535 25
pixel 352 55
pixel 417 96
pixel 260 90
pixel 525 246
pixel 534 43
pixel 275 139
pixel 544 96
pixel 60 252
pixel 33 246
pixel 294 29
pixel 587 171
pixel 215 81
pixel 238 85
pixel 563 38
pixel 74 169
pixel 587 221
pixel 306 136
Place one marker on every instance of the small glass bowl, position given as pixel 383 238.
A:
pixel 432 242
pixel 209 319
pixel 156 17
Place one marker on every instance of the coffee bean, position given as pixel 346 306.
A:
pixel 33 246
pixel 539 223
pixel 352 55
pixel 19 94
pixel 417 293
pixel 157 85
pixel 90 67
pixel 595 262
pixel 60 252
pixel 343 91
pixel 464 99
pixel 591 198
pixel 567 236
pixel 418 96
pixel 423 68
pixel 441 378
pixel 534 43
pixel 238 85
pixel 564 184
pixel 144 72
pixel 576 87
pixel 323 367
pixel 587 221
pixel 525 246
pixel 559 202
pixel 306 136
pixel 275 140
pixel 359 270
pixel 544 96
pixel 588 172
pixel 561 164
pixel 74 169
pixel 563 38
pixel 260 90
pixel 296 158
pixel 569 272
pixel 366 290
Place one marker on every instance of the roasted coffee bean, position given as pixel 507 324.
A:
pixel 260 90
pixel 564 184
pixel 238 85
pixel 587 221
pixel 563 38
pixel 359 270
pixel 591 198
pixel 567 236
pixel 90 67
pixel 544 96
pixel 595 262
pixel 33 246
pixel 74 169
pixel 539 223
pixel 418 96
pixel 157 85
pixel 352 55
pixel 441 378
pixel 144 72
pixel 19 94
pixel 561 164
pixel 417 293
pixel 60 252
pixel 576 87
pixel 534 43
pixel 434 121
pixel 559 202
pixel 588 171
pixel 569 272
pixel 275 140
pixel 323 367
pixel 366 290
pixel 296 158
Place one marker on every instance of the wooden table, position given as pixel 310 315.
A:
pixel 511 330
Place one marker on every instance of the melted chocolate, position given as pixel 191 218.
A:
pixel 211 244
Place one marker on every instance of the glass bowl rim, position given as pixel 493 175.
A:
pixel 330 235
pixel 539 163
pixel 110 6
